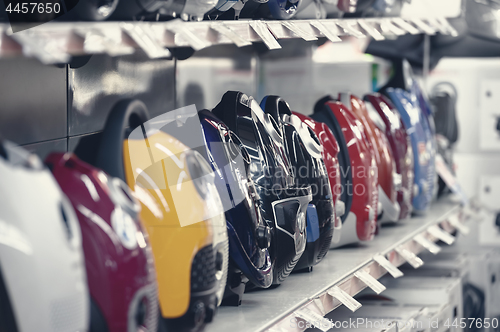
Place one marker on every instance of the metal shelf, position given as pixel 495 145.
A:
pixel 315 294
pixel 56 42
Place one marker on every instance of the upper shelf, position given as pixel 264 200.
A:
pixel 56 42
pixel 310 296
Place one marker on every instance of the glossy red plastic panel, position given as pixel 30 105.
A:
pixel 330 152
pixel 118 259
pixel 364 171
pixel 348 6
pixel 381 150
pixel 401 149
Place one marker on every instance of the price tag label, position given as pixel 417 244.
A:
pixel 427 244
pixel 410 257
pixel 193 40
pixel 455 222
pixel 260 28
pixel 406 26
pixel 144 36
pixel 370 281
pixel 451 181
pixel 350 29
pixel 46 50
pixel 330 33
pixel 229 33
pixel 314 319
pixel 448 26
pixel 389 26
pixel 388 266
pixel 437 25
pixel 374 33
pixel 437 232
pixel 298 31
pixel 344 298
pixel 423 26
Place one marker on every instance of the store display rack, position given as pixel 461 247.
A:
pixel 342 274
pixel 57 42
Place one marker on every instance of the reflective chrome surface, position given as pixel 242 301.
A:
pixel 33 96
pixel 96 86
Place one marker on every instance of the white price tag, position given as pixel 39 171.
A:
pixel 344 298
pixel 298 31
pixel 410 257
pixel 350 29
pixel 314 319
pixel 46 50
pixel 448 26
pixel 451 181
pixel 229 33
pixel 143 35
pixel 455 222
pixel 437 25
pixel 405 26
pixel 374 33
pixel 388 266
pixel 388 25
pixel 370 281
pixel 260 28
pixel 427 244
pixel 437 232
pixel 192 39
pixel 329 32
pixel 423 26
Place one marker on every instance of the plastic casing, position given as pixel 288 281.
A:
pixel 41 255
pixel 177 223
pixel 284 206
pixel 304 152
pixel 118 258
pixel 382 151
pixel 430 130
pixel 413 120
pixel 347 6
pixel 186 9
pixel 401 148
pixel 180 211
pixel 362 190
pixel 238 192
pixel 283 9
pixel 329 153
